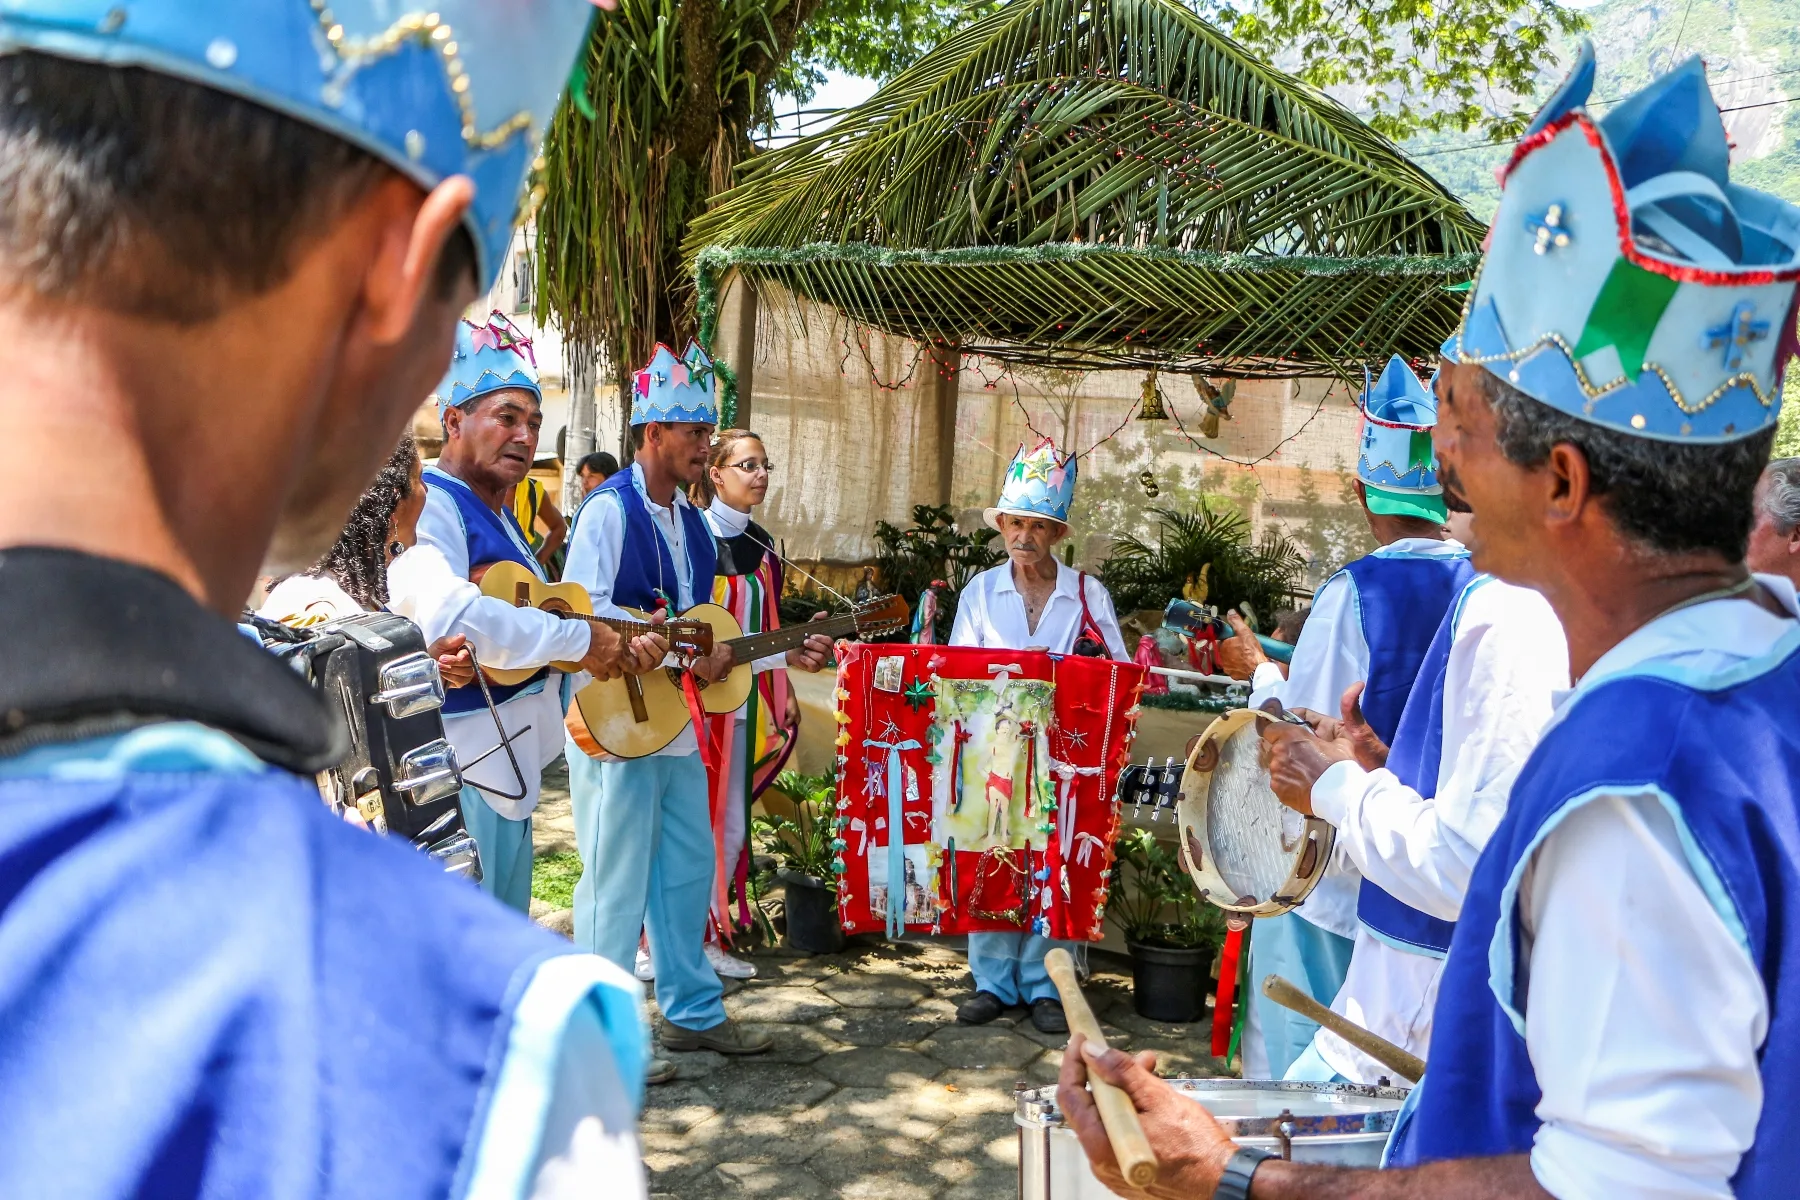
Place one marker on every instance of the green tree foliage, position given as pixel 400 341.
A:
pixel 1423 66
pixel 1333 534
pixel 1210 544
pixel 1787 435
pixel 674 89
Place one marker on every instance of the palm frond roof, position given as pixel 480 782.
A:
pixel 1104 183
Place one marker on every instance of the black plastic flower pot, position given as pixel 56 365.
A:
pixel 1169 983
pixel 812 916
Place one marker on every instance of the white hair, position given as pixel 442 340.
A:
pixel 1782 500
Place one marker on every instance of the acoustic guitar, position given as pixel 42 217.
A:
pixel 517 585
pixel 641 714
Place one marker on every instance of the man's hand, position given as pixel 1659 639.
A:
pixel 1240 654
pixel 454 661
pixel 603 659
pixel 1371 751
pixel 1191 1150
pixel 715 666
pixel 1296 756
pixel 811 655
pixel 793 712
pixel 645 652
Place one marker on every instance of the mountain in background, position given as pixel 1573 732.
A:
pixel 1752 54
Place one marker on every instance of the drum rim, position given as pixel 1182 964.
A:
pixel 1037 1107
pixel 1190 815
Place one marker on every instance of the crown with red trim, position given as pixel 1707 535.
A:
pixel 675 389
pixel 1628 281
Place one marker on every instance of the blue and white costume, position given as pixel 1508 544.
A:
pixel 643 826
pixel 212 986
pixel 1370 623
pixel 990 613
pixel 430 585
pixel 1620 992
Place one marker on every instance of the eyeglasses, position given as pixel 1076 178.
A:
pixel 751 466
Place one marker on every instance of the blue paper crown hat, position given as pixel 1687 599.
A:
pixel 1394 459
pixel 1627 280
pixel 678 389
pixel 487 358
pixel 464 87
pixel 1039 483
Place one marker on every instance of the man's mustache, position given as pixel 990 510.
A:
pixel 1454 499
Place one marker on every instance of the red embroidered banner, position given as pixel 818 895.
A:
pixel 976 788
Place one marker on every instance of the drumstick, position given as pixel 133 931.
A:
pixel 1137 1162
pixel 1407 1066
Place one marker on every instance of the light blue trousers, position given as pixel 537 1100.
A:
pixel 1011 965
pixel 1312 959
pixel 1311 1067
pixel 645 838
pixel 505 850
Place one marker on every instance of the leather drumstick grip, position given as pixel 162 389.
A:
pixel 1137 1162
pixel 1401 1063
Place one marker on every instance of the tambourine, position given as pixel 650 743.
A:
pixel 1247 851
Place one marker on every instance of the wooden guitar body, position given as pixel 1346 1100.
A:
pixel 517 585
pixel 641 714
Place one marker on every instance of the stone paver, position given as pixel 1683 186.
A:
pixel 874 991
pixel 887 1067
pixel 980 1047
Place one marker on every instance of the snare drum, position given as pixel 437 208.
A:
pixel 1248 852
pixel 1339 1124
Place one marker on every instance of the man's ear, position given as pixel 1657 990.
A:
pixel 1567 482
pixel 411 236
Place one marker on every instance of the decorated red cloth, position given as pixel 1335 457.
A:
pixel 998 769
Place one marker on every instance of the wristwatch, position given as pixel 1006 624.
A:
pixel 1234 1184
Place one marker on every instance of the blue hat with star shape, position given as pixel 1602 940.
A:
pixel 464 87
pixel 1627 280
pixel 1394 458
pixel 1039 483
pixel 488 357
pixel 676 388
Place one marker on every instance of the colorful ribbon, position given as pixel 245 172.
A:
pixel 896 831
pixel 1225 1005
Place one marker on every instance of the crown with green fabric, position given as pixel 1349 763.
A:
pixel 1394 458
pixel 1627 280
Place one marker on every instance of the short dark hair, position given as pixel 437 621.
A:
pixel 599 463
pixel 1672 497
pixel 157 197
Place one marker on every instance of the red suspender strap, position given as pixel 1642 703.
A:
pixel 1223 1007
pixel 1090 628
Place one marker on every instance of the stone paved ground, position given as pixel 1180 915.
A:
pixel 872 1089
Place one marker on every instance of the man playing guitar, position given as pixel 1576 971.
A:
pixel 491 410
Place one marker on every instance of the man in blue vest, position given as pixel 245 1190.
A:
pixel 234 241
pixel 1617 1010
pixel 1371 624
pixel 643 826
pixel 491 410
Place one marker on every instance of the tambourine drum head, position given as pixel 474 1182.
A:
pixel 1253 835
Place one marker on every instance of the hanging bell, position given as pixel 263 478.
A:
pixel 1150 400
pixel 1148 481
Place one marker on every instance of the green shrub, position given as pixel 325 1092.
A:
pixel 1152 899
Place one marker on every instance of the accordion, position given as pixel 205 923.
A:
pixel 400 776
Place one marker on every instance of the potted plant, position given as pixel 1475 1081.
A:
pixel 1171 934
pixel 801 846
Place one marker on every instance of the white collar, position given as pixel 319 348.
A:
pixel 1065 578
pixel 1732 625
pixel 727 521
pixel 637 481
pixel 1423 548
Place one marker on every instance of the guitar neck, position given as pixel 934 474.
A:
pixel 625 628
pixel 778 641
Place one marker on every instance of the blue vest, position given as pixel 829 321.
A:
pixel 1414 758
pixel 237 994
pixel 492 536
pixel 1400 599
pixel 1724 754
pixel 646 575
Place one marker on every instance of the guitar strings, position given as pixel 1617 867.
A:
pixel 784 561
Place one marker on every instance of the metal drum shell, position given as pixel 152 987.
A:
pixel 1191 820
pixel 1053 1167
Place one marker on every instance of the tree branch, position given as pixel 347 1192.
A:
pixel 696 120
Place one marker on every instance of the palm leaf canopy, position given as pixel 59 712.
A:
pixel 1104 183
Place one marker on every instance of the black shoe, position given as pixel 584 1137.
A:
pixel 979 1009
pixel 1047 1016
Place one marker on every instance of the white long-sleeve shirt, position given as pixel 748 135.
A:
pixel 1508 660
pixel 991 612
pixel 1647 1013
pixel 1330 655
pixel 596 544
pixel 429 584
